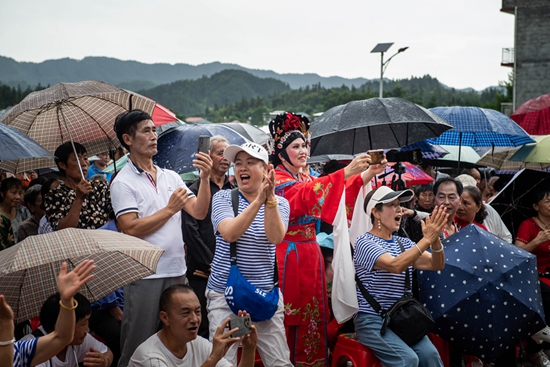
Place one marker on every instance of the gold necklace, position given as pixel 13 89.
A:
pixel 545 225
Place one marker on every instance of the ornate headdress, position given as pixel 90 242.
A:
pixel 284 129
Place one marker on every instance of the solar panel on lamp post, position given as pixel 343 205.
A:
pixel 383 47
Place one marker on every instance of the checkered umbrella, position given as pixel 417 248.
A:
pixel 83 112
pixel 479 127
pixel 15 145
pixel 499 158
pixel 28 270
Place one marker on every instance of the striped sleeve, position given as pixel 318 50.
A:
pixel 367 252
pixel 221 208
pixel 23 352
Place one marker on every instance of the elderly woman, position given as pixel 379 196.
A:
pixel 381 264
pixel 471 208
pixel 11 196
pixel 260 224
pixel 300 262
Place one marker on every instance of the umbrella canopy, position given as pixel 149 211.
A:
pixel 28 270
pixel 376 123
pixel 539 153
pixel 410 175
pixel 534 115
pixel 501 158
pixel 177 147
pixel 428 150
pixel 345 158
pixel 479 127
pixel 487 297
pixel 514 201
pixel 467 156
pixel 15 145
pixel 250 132
pixel 83 112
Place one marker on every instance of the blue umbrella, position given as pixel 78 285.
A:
pixel 487 297
pixel 177 147
pixel 428 150
pixel 15 146
pixel 479 127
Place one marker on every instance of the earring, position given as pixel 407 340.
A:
pixel 379 226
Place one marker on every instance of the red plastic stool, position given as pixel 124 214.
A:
pixel 349 349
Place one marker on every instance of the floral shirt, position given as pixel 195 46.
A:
pixel 95 207
pixel 6 233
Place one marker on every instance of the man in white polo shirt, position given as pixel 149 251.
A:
pixel 147 201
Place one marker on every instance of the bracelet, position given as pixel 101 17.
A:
pixel 436 251
pixel 75 305
pixel 2 344
pixel 271 203
pixel 419 250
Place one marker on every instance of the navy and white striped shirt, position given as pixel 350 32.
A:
pixel 383 286
pixel 255 254
pixel 23 352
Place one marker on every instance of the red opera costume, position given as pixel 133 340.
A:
pixel 300 261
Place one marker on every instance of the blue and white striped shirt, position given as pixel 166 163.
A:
pixel 383 286
pixel 255 254
pixel 23 352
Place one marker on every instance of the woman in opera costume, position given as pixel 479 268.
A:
pixel 299 258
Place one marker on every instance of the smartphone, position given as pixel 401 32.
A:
pixel 376 156
pixel 243 323
pixel 204 144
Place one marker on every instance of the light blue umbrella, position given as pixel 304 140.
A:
pixel 16 146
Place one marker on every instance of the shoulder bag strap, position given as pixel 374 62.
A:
pixel 233 245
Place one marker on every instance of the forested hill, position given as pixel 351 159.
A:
pixel 194 97
pixel 135 75
pixel 233 94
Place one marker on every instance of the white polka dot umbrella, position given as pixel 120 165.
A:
pixel 487 297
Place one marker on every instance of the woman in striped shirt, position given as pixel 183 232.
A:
pixel 380 265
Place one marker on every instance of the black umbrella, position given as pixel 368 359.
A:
pixel 514 201
pixel 376 123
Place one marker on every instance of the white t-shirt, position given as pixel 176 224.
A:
pixel 134 191
pixel 152 353
pixel 78 351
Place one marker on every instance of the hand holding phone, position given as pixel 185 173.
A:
pixel 376 156
pixel 243 323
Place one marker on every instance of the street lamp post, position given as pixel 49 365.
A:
pixel 383 47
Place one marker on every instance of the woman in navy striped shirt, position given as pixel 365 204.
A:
pixel 381 266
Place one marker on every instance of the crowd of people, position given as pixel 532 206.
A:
pixel 259 230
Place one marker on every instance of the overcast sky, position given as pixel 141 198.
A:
pixel 458 42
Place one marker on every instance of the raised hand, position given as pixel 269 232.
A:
pixel 249 341
pixel 222 341
pixel 203 162
pixel 68 284
pixel 357 165
pixel 6 313
pixel 434 223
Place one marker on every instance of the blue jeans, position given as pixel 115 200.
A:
pixel 390 349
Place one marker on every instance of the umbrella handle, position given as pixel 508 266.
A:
pixel 72 142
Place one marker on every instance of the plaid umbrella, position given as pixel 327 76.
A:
pixel 500 158
pixel 15 145
pixel 479 127
pixel 534 115
pixel 83 112
pixel 28 270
